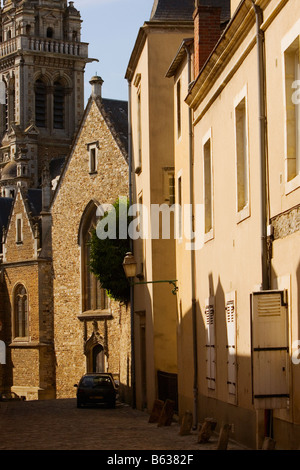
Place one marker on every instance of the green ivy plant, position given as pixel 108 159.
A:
pixel 107 255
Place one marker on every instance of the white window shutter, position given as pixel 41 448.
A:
pixel 231 344
pixel 210 343
pixel 270 349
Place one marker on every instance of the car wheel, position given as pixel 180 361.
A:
pixel 79 404
pixel 112 404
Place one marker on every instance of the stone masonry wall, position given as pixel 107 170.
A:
pixel 287 223
pixel 30 365
pixel 75 191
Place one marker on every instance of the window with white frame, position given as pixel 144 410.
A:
pixel 178 101
pixel 291 56
pixel 169 185
pixel 137 84
pixel 179 207
pixel 208 186
pixel 93 156
pixel 242 167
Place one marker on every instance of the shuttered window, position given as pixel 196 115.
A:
pixel 40 103
pixel 58 106
pixel 270 350
pixel 210 344
pixel 231 346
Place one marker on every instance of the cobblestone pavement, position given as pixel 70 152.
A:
pixel 59 425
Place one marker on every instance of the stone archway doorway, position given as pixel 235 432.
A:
pixel 98 359
pixel 96 352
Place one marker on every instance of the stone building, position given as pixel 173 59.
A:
pixel 42 62
pixel 92 331
pixel 58 163
pixel 27 313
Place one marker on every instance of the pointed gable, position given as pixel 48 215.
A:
pixel 20 243
pixel 104 121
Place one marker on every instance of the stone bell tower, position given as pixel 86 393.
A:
pixel 42 62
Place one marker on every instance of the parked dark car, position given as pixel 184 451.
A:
pixel 96 389
pixel 10 396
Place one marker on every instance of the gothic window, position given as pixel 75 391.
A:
pixel 21 312
pixel 58 105
pixel 94 297
pixel 40 103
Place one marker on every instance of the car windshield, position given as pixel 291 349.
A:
pixel 96 382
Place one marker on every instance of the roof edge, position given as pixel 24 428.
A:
pixel 142 36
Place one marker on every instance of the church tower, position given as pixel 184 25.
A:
pixel 42 62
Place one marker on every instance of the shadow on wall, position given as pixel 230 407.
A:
pixel 218 362
pixel 125 390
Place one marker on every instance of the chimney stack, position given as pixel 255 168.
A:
pixel 96 83
pixel 207 31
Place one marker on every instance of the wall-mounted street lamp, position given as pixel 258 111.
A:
pixel 130 268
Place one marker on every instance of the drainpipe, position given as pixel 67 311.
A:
pixel 131 249
pixel 193 280
pixel 262 144
pixel 265 259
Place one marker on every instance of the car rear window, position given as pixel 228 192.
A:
pixel 96 382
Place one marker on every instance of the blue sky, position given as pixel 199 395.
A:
pixel 111 27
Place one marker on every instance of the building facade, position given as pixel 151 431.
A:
pixel 241 109
pixel 42 62
pixel 152 176
pixel 92 330
pixel 58 164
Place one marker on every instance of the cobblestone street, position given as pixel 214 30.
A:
pixel 59 425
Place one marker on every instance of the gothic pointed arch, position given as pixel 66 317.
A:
pixel 95 351
pixel 88 212
pixel 20 325
pixel 94 297
pixel 62 87
pixel 94 340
